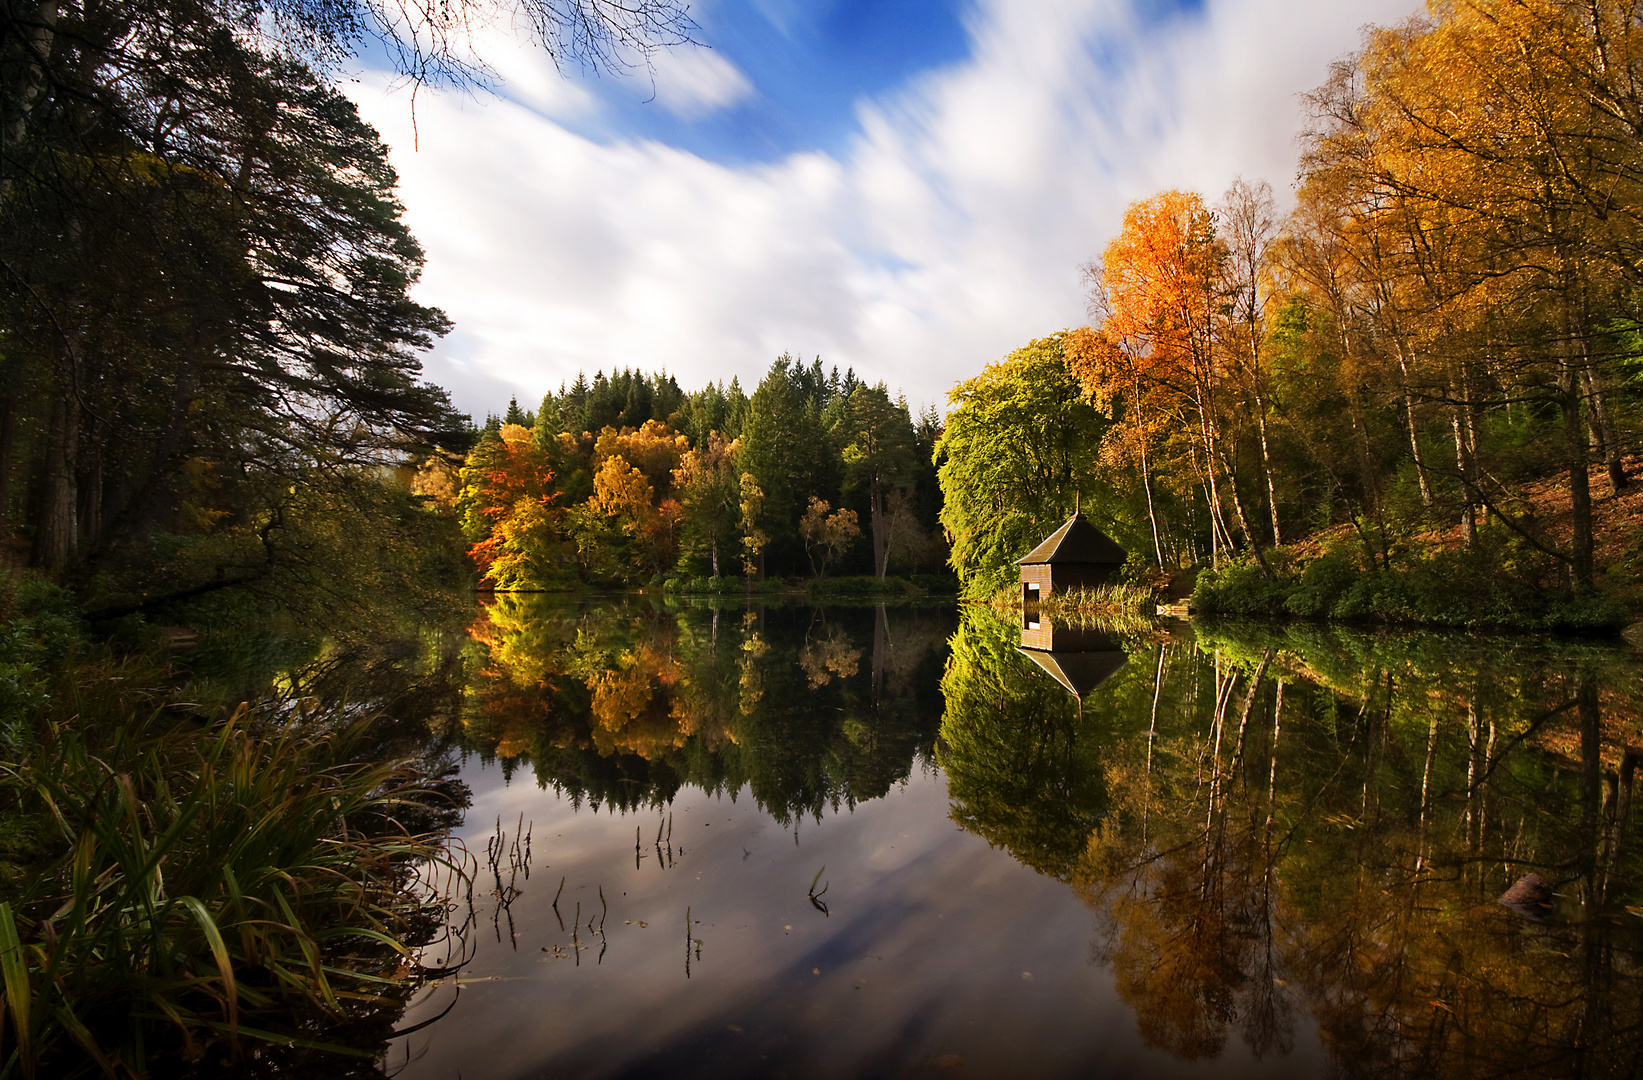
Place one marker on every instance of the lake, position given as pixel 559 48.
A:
pixel 747 840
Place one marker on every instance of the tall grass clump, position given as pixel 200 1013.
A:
pixel 207 888
pixel 179 894
pixel 1119 598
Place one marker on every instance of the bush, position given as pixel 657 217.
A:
pixel 39 628
pixel 864 585
pixel 1239 589
pixel 288 888
pixel 710 585
pixel 1497 583
pixel 1321 584
pixel 942 584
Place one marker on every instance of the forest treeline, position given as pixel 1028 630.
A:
pixel 208 351
pixel 1448 314
pixel 628 479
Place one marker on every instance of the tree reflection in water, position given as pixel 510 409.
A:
pixel 618 704
pixel 1279 829
pixel 1312 825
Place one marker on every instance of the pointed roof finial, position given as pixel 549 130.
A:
pixel 1076 496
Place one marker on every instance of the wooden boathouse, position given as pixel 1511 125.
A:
pixel 1077 555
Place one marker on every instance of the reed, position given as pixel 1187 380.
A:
pixel 199 888
pixel 1120 599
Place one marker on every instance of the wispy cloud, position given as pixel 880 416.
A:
pixel 693 81
pixel 948 231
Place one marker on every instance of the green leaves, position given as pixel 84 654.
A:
pixel 1021 444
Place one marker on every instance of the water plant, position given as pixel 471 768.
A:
pixel 202 889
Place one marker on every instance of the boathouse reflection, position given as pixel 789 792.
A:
pixel 1079 658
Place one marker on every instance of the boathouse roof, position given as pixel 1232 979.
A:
pixel 1076 542
pixel 1079 672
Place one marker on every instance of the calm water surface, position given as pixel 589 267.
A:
pixel 870 841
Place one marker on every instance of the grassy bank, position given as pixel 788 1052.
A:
pixel 1121 598
pixel 1123 607
pixel 179 892
pixel 818 587
pixel 1495 584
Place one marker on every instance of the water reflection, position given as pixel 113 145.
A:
pixel 1228 853
pixel 620 704
pixel 1080 658
pixel 1314 828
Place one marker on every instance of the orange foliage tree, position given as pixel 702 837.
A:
pixel 509 510
pixel 1162 293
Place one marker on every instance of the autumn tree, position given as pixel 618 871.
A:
pixel 826 535
pixel 754 538
pixel 706 482
pixel 1160 293
pixel 509 511
pixel 653 448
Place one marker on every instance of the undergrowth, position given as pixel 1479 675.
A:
pixel 1496 584
pixel 176 892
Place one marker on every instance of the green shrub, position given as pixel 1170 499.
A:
pixel 40 629
pixel 863 585
pixel 942 584
pixel 1239 589
pixel 1321 584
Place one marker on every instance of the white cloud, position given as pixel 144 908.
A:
pixel 693 81
pixel 949 231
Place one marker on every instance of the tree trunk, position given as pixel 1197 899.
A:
pixel 91 502
pixel 1243 519
pixel 1152 514
pixel 8 440
pixel 1220 535
pixel 881 543
pixel 1603 424
pixel 55 539
pixel 1414 430
pixel 1369 481
pixel 37 47
pixel 1266 468
pixel 1468 512
pixel 1580 493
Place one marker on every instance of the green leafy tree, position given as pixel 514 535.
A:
pixel 1019 449
pixel 787 451
pixel 706 483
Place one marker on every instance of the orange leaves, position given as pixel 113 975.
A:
pixel 1158 284
pixel 1101 367
pixel 507 486
pixel 653 448
pixel 827 536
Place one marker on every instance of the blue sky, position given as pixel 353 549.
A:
pixel 907 188
pixel 806 65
